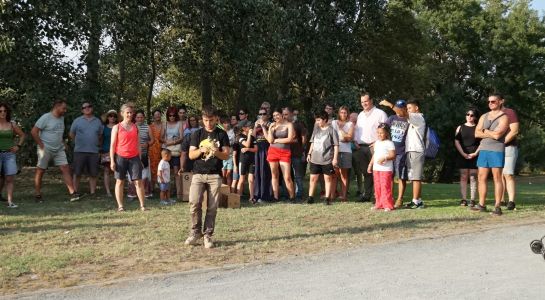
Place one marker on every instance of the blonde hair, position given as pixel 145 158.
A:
pixel 123 108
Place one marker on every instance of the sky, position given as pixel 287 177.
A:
pixel 539 5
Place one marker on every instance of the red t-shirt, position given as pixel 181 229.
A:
pixel 512 118
pixel 127 141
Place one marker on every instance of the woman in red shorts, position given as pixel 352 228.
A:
pixel 280 135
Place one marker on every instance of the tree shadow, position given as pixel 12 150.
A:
pixel 419 223
pixel 42 228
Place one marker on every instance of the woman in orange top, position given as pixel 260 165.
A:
pixel 154 150
pixel 125 156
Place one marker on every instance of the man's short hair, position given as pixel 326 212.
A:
pixel 289 109
pixel 322 115
pixel 362 94
pixel 413 102
pixel 59 101
pixel 209 111
pixel 497 95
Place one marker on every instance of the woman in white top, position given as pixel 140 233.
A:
pixel 345 130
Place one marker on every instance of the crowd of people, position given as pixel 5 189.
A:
pixel 269 155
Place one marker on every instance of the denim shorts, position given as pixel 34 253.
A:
pixel 164 186
pixel 8 164
pixel 228 164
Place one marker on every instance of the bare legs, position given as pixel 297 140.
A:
pixel 66 176
pixel 119 185
pixel 498 185
pixel 286 172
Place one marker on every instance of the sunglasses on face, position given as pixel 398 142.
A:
pixel 470 115
pixel 262 114
pixel 241 113
pixel 492 101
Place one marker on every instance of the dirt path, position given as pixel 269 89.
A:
pixel 495 264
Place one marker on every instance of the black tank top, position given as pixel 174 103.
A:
pixel 466 137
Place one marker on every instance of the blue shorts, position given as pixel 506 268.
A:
pixel 228 164
pixel 490 159
pixel 400 166
pixel 8 163
pixel 236 176
pixel 163 187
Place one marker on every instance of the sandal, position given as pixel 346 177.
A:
pixel 463 202
pixel 120 209
pixel 38 198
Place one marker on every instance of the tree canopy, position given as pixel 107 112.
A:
pixel 302 53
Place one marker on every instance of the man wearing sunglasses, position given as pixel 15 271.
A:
pixel 491 128
pixel 86 132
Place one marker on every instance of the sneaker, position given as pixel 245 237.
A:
pixel 310 200
pixel 164 202
pixel 75 196
pixel 38 199
pixel 171 201
pixel 193 240
pixel 208 243
pixel 479 208
pixel 511 205
pixel 12 205
pixel 463 202
pixel 399 203
pixel 497 211
pixel 413 205
pixel 149 195
pixel 472 203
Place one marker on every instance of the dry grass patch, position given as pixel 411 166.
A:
pixel 60 244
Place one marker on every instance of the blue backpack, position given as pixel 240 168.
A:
pixel 432 143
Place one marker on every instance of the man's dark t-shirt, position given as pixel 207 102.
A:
pixel 247 158
pixel 297 147
pixel 219 139
pixel 398 132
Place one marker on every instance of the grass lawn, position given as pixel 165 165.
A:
pixel 60 244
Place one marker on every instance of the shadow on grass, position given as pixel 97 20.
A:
pixel 403 224
pixel 42 228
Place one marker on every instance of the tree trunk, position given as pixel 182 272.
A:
pixel 122 77
pixel 93 51
pixel 151 83
pixel 206 68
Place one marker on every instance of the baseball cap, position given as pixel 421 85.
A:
pixel 401 103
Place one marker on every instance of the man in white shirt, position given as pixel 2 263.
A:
pixel 365 135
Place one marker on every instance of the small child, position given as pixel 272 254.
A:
pixel 163 177
pixel 382 167
pixel 248 148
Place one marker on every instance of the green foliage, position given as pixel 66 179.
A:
pixel 448 54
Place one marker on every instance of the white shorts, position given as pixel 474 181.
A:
pixel 511 155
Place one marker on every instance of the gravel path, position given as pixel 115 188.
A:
pixel 495 264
